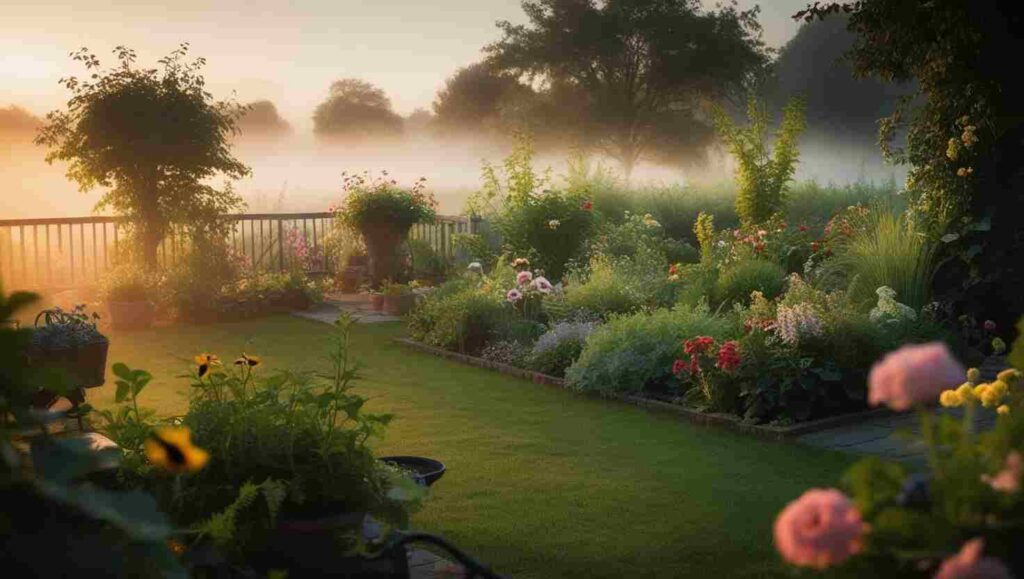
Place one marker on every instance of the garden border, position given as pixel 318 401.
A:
pixel 703 418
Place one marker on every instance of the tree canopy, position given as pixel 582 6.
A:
pixel 261 119
pixel 154 138
pixel 638 71
pixel 477 97
pixel 14 119
pixel 354 109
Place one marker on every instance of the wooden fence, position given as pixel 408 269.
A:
pixel 65 252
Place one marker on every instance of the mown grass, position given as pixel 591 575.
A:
pixel 541 482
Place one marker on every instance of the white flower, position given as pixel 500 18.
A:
pixel 553 224
pixel 523 277
pixel 721 243
pixel 514 295
pixel 542 285
pixel 794 323
pixel 886 292
pixel 475 267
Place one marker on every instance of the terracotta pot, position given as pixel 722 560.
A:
pixel 86 365
pixel 131 315
pixel 352 277
pixel 398 305
pixel 382 241
pixel 376 302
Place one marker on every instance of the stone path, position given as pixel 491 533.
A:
pixel 887 436
pixel 356 304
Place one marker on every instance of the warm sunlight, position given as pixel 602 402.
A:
pixel 511 288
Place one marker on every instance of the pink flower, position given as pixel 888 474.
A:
pixel 523 277
pixel 542 285
pixel 969 564
pixel 1008 479
pixel 990 326
pixel 820 529
pixel 514 295
pixel 913 374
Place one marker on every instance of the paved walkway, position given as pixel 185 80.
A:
pixel 894 437
pixel 356 304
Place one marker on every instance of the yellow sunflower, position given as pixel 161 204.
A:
pixel 172 450
pixel 204 362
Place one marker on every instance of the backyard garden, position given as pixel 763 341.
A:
pixel 578 376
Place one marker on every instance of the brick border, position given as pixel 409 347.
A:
pixel 704 418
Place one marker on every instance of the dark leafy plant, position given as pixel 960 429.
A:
pixel 65 329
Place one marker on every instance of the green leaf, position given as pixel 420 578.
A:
pixel 134 512
pixel 122 391
pixel 1016 357
pixel 121 371
pixel 949 237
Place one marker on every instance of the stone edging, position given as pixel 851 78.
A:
pixel 717 419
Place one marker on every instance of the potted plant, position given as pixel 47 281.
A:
pixel 70 341
pixel 291 482
pixel 127 292
pixel 383 213
pixel 398 298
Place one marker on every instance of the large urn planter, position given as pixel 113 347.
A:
pixel 131 315
pixel 352 277
pixel 377 302
pixel 84 364
pixel 398 305
pixel 382 241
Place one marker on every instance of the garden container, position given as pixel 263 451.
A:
pixel 131 315
pixel 352 277
pixel 426 471
pixel 376 302
pixel 382 241
pixel 86 364
pixel 398 305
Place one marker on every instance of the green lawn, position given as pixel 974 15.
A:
pixel 540 482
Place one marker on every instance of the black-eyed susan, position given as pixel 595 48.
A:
pixel 171 449
pixel 205 362
pixel 247 360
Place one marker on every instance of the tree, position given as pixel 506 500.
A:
pixel 965 134
pixel 14 119
pixel 261 119
pixel 635 66
pixel 418 121
pixel 476 97
pixel 355 108
pixel 154 138
pixel 762 174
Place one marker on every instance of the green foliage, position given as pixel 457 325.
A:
pixel 631 353
pixel 300 439
pixel 460 317
pixel 738 280
pixel 378 201
pixel 154 140
pixel 427 263
pixel 704 230
pixel 476 98
pixel 888 251
pixel 641 101
pixel 128 424
pixel 556 360
pixel 57 328
pixel 355 109
pixel 129 283
pixel 763 176
pixel 620 285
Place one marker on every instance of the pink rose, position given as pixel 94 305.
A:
pixel 1008 479
pixel 969 564
pixel 913 374
pixel 514 295
pixel 523 277
pixel 820 529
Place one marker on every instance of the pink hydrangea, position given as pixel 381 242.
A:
pixel 969 564
pixel 820 529
pixel 542 285
pixel 913 374
pixel 1008 479
pixel 523 277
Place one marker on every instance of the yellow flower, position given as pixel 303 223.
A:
pixel 973 375
pixel 950 399
pixel 990 398
pixel 966 393
pixel 204 362
pixel 1000 388
pixel 172 450
pixel 247 360
pixel 1010 376
pixel 1004 409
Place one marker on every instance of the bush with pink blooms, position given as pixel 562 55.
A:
pixel 963 517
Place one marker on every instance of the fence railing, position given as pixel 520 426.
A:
pixel 65 252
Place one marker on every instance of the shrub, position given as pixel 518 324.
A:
pixel 738 280
pixel 371 201
pixel 620 285
pixel 560 346
pixel 631 353
pixel 427 263
pixel 508 352
pixel 459 318
pixel 128 283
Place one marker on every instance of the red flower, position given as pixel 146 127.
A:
pixel 673 269
pixel 678 367
pixel 698 345
pixel 694 366
pixel 989 326
pixel 815 246
pixel 587 205
pixel 759 247
pixel 828 252
pixel 728 356
pixel 804 228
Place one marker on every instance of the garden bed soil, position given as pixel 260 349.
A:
pixel 706 418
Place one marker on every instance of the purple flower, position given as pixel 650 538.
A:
pixel 514 295
pixel 542 285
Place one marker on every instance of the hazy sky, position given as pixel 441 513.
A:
pixel 288 52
